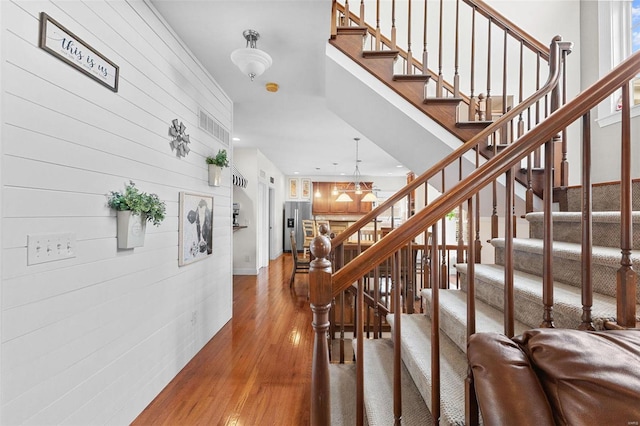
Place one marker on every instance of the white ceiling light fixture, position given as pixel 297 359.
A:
pixel 358 185
pixel 251 60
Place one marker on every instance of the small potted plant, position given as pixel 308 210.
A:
pixel 216 164
pixel 133 210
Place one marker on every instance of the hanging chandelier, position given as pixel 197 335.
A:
pixel 358 185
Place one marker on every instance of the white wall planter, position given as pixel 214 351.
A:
pixel 131 229
pixel 215 175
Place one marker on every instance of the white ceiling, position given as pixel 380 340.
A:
pixel 293 127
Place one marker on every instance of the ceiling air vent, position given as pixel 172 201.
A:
pixel 211 126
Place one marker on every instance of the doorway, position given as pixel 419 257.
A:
pixel 263 225
pixel 273 241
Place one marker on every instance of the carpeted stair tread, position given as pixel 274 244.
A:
pixel 416 354
pixel 607 256
pixel 568 227
pixel 378 388
pixel 528 257
pixel 528 297
pixel 453 316
pixel 605 197
pixel 605 217
pixel 343 394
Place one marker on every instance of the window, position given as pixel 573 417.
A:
pixel 635 26
pixel 618 37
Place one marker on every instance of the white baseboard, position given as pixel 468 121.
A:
pixel 245 271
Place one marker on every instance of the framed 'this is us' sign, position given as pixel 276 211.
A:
pixel 69 48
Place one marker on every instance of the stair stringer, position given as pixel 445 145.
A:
pixel 392 123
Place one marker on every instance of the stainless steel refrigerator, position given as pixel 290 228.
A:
pixel 294 213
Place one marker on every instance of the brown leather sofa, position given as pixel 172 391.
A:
pixel 557 377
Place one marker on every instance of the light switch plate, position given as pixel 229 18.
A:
pixel 49 247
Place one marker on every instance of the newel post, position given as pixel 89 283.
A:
pixel 320 298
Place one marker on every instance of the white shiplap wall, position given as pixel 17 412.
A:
pixel 91 340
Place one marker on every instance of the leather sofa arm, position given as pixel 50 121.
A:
pixel 589 377
pixel 507 389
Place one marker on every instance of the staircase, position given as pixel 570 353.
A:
pixel 447 116
pixel 568 273
pixel 489 279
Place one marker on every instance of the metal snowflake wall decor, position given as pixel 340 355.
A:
pixel 180 141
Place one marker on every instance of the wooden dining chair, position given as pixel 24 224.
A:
pixel 309 234
pixel 300 265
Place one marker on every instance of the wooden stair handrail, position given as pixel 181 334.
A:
pixel 481 7
pixel 554 74
pixel 501 21
pixel 489 171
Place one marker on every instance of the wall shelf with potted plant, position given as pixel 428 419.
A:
pixel 216 164
pixel 133 210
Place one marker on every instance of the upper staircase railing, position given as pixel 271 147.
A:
pixel 432 20
pixel 462 194
pixel 484 64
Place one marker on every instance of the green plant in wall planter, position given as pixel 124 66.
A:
pixel 216 164
pixel 133 210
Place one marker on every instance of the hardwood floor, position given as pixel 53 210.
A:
pixel 257 369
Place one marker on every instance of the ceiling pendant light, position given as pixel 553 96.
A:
pixel 251 60
pixel 344 198
pixel 358 185
pixel 334 191
pixel 369 197
pixel 356 173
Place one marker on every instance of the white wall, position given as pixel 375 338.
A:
pixel 578 21
pixel 93 339
pixel 266 171
pixel 544 20
pixel 244 240
pixel 257 169
pixel 605 138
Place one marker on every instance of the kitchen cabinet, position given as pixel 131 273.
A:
pixel 321 204
pixel 326 204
